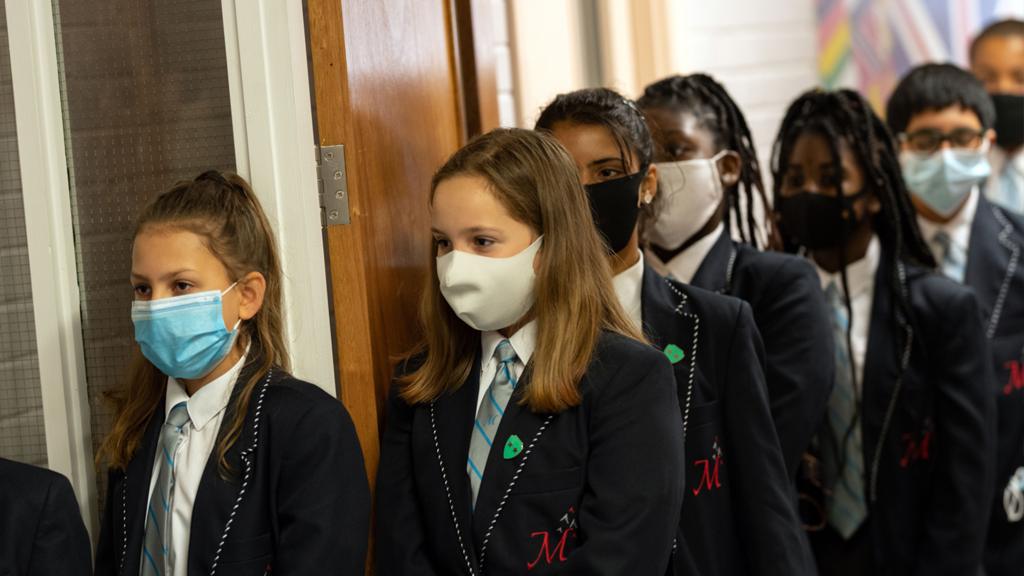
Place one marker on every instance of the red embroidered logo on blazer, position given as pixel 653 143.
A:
pixel 709 479
pixel 1015 381
pixel 554 553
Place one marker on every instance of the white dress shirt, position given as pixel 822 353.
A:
pixel 685 265
pixel 861 277
pixel 523 342
pixel 1006 170
pixel 205 412
pixel 629 287
pixel 958 228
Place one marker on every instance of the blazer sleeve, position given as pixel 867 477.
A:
pixel 635 479
pixel 964 444
pixel 323 506
pixel 765 517
pixel 400 548
pixel 797 333
pixel 61 544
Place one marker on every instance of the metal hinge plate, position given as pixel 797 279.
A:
pixel 332 182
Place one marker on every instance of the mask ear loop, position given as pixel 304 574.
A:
pixel 224 293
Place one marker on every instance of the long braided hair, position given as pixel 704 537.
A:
pixel 844 116
pixel 715 110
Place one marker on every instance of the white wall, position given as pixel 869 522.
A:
pixel 547 56
pixel 764 52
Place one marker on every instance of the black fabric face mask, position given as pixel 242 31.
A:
pixel 615 208
pixel 813 221
pixel 1009 120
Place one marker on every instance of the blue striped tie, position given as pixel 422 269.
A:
pixel 488 416
pixel 157 555
pixel 846 507
pixel 954 259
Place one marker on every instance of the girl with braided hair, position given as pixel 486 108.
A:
pixel 900 471
pixel 738 516
pixel 709 179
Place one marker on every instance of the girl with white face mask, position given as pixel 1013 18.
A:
pixel 535 431
pixel 709 186
pixel 738 517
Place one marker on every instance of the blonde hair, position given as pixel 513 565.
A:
pixel 535 179
pixel 222 210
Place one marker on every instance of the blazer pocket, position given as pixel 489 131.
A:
pixel 703 415
pixel 542 482
pixel 247 549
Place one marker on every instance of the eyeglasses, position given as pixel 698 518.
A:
pixel 931 139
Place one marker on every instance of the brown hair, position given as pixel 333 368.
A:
pixel 222 210
pixel 535 179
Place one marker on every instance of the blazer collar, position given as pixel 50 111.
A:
pixel 715 272
pixel 992 256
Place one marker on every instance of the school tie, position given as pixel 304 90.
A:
pixel 489 414
pixel 846 507
pixel 954 260
pixel 156 549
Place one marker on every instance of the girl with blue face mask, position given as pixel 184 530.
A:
pixel 220 462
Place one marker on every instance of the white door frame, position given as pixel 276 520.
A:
pixel 51 247
pixel 275 150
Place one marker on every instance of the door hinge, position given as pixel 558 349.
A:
pixel 332 185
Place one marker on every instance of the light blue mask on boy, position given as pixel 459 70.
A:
pixel 942 179
pixel 184 336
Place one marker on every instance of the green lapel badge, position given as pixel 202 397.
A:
pixel 674 353
pixel 513 447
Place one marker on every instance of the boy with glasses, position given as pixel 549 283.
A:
pixel 943 119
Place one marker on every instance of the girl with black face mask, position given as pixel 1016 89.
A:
pixel 738 517
pixel 900 472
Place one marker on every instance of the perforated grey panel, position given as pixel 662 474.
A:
pixel 22 436
pixel 146 103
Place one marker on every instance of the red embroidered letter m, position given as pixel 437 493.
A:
pixel 549 555
pixel 1016 379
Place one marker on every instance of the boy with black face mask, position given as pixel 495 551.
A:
pixel 997 59
pixel 943 117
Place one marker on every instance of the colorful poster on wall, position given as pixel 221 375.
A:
pixel 869 44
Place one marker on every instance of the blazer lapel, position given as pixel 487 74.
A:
pixel 518 421
pixel 992 257
pixel 138 476
pixel 672 326
pixel 452 418
pixel 714 272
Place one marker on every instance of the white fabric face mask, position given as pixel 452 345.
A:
pixel 488 293
pixel 692 192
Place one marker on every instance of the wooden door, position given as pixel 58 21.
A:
pixel 386 86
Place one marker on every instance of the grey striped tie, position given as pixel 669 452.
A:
pixel 488 416
pixel 156 551
pixel 846 508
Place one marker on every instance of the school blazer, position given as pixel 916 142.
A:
pixel 596 490
pixel 299 502
pixel 738 517
pixel 41 530
pixel 928 437
pixel 792 316
pixel 996 274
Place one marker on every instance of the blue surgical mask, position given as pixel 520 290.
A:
pixel 184 336
pixel 942 179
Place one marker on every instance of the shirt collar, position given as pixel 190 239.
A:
pixel 860 274
pixel 958 228
pixel 523 342
pixel 684 266
pixel 628 287
pixel 208 401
